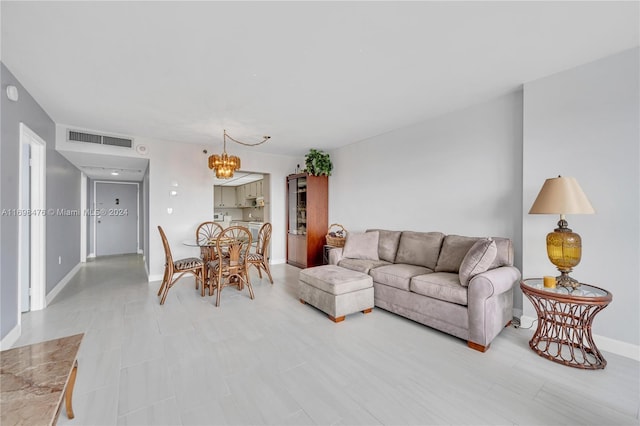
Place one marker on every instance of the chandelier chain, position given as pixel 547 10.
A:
pixel 266 138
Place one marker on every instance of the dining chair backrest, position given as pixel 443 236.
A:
pixel 207 231
pixel 167 249
pixel 235 241
pixel 264 236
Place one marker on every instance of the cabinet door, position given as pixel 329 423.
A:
pixel 252 189
pixel 217 196
pixel 301 205
pixel 297 250
pixel 291 248
pixel 240 197
pixel 292 207
pixel 228 196
pixel 260 192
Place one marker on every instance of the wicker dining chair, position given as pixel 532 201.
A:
pixel 208 231
pixel 190 265
pixel 230 268
pixel 206 235
pixel 260 258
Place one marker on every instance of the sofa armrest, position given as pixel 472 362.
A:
pixel 335 255
pixel 490 303
pixel 493 282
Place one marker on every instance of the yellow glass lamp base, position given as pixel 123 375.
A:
pixel 564 248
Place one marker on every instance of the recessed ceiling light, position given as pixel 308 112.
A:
pixel 114 173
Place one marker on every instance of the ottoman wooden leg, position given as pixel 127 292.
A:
pixel 339 319
pixel 367 311
pixel 303 302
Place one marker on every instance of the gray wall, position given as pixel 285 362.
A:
pixel 63 191
pixel 585 123
pixel 145 218
pixel 460 173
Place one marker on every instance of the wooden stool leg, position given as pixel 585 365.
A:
pixel 68 395
pixel 367 311
pixel 339 319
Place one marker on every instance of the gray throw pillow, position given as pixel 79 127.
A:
pixel 477 260
pixel 361 245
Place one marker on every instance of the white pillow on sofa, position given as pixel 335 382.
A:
pixel 477 260
pixel 361 245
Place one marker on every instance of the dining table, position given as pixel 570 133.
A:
pixel 208 253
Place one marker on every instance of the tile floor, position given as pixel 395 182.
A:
pixel 273 360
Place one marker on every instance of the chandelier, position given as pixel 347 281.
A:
pixel 224 165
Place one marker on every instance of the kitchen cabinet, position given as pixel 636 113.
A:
pixel 307 219
pixel 251 190
pixel 224 196
pixel 240 196
pixel 260 192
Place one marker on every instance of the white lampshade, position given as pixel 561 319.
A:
pixel 561 195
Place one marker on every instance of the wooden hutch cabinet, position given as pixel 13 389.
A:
pixel 307 219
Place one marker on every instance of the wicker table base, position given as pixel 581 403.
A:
pixel 565 317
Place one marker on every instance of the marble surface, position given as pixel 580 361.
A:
pixel 33 379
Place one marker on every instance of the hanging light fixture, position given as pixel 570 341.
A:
pixel 224 165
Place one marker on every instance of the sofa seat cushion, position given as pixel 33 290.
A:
pixel 397 275
pixel 419 248
pixel 361 265
pixel 334 279
pixel 440 285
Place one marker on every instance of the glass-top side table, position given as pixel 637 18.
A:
pixel 565 317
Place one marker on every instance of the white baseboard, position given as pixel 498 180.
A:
pixel 517 313
pixel 277 261
pixel 604 343
pixel 11 338
pixel 140 251
pixel 62 283
pixel 91 256
pixel 153 278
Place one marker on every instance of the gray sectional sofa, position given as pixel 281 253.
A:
pixel 460 285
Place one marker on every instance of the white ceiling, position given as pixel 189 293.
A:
pixel 309 74
pixel 103 167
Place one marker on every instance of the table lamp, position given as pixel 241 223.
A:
pixel 563 195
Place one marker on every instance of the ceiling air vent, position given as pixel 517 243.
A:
pixel 84 137
pixel 76 136
pixel 110 140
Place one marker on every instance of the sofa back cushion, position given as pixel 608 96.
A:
pixel 419 248
pixel 454 249
pixel 504 255
pixel 387 244
pixel 361 245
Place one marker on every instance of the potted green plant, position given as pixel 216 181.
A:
pixel 318 163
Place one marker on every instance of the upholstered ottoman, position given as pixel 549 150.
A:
pixel 336 291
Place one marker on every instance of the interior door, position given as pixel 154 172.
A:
pixel 116 218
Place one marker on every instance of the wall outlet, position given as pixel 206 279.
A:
pixel 59 260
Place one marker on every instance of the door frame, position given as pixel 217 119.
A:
pixel 83 220
pixel 36 217
pixel 95 215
